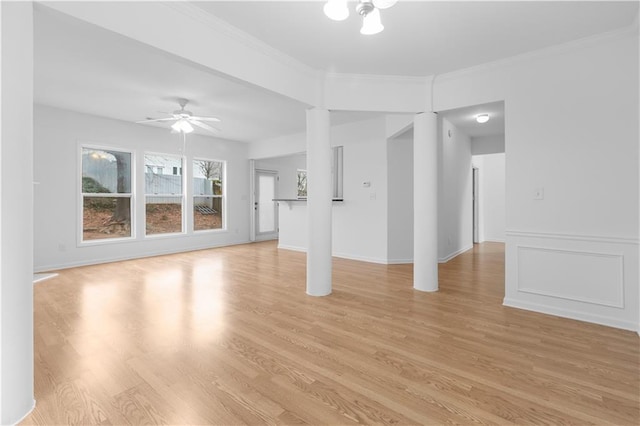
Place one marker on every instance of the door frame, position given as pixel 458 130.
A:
pixel 475 200
pixel 265 235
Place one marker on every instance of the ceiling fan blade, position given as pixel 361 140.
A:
pixel 206 119
pixel 204 126
pixel 151 120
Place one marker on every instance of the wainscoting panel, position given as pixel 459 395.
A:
pixel 575 275
pixel 588 278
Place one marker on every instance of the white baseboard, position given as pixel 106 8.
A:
pixel 33 405
pixel 292 248
pixel 347 256
pixel 75 264
pixel 361 258
pixel 454 254
pixel 494 240
pixel 266 238
pixel 567 313
pixel 399 261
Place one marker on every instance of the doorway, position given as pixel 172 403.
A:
pixel 266 217
pixel 476 207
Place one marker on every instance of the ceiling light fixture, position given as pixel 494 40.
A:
pixel 182 125
pixel 482 118
pixel 183 120
pixel 336 10
pixel 371 23
pixel 368 9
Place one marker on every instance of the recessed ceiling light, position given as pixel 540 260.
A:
pixel 482 118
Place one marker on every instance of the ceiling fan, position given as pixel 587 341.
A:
pixel 184 120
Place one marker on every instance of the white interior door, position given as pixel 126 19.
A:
pixel 266 209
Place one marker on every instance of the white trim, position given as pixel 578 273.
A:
pixel 292 248
pixel 454 254
pixel 197 247
pixel 571 314
pixel 361 258
pixel 379 78
pixel 339 255
pixel 574 237
pixel 620 285
pixel 37 278
pixel 267 237
pixel 33 405
pixel 399 261
pixel 80 146
pixel 493 240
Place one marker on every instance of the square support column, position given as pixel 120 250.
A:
pixel 16 211
pixel 425 202
pixel 319 204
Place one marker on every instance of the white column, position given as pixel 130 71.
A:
pixel 319 203
pixel 425 202
pixel 16 210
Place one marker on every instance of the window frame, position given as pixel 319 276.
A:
pixel 80 195
pixel 182 196
pixel 223 196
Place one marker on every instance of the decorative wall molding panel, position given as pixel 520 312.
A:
pixel 584 277
pixel 575 275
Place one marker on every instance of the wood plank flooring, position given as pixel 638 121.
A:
pixel 228 336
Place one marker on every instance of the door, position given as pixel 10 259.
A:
pixel 476 206
pixel 266 209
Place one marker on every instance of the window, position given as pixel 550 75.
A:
pixel 302 183
pixel 106 194
pixel 163 194
pixel 336 175
pixel 208 195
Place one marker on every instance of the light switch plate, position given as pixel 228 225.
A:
pixel 538 193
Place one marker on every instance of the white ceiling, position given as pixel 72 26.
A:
pixel 421 37
pixel 84 68
pixel 81 67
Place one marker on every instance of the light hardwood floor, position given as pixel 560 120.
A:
pixel 228 336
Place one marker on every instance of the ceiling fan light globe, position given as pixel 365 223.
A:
pixel 182 126
pixel 336 10
pixel 384 4
pixel 371 23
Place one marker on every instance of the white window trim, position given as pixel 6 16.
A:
pixel 223 225
pixel 181 196
pixel 80 196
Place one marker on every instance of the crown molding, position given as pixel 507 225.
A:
pixel 214 23
pixel 555 50
pixel 378 78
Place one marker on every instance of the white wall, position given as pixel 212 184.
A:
pixel 493 144
pixel 455 224
pixel 572 129
pixel 16 211
pixel 57 139
pixel 491 197
pixel 360 221
pixel 400 206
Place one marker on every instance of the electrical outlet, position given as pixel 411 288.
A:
pixel 62 247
